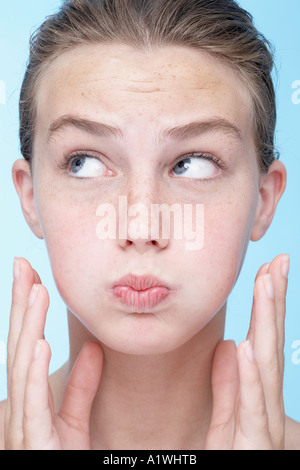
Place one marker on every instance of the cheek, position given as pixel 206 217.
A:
pixel 72 244
pixel 214 269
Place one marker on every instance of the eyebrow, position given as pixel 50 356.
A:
pixel 177 133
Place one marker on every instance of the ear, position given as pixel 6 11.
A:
pixel 22 178
pixel 272 186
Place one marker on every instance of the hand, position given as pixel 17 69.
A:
pixel 30 419
pixel 248 410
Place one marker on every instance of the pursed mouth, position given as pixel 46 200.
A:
pixel 141 293
pixel 141 300
pixel 140 283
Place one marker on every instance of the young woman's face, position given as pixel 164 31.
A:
pixel 211 163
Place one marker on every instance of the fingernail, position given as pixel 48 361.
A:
pixel 16 269
pixel 37 349
pixel 33 295
pixel 285 265
pixel 249 351
pixel 268 283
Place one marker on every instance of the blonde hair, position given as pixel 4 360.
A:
pixel 219 27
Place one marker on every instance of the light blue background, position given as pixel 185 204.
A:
pixel 279 21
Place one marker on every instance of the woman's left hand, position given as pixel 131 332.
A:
pixel 247 382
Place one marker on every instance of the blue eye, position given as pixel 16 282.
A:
pixel 85 166
pixel 182 166
pixel 78 164
pixel 197 167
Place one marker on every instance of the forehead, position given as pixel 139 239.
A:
pixel 165 86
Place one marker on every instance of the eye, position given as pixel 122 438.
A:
pixel 86 166
pixel 199 166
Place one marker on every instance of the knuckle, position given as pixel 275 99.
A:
pixel 269 365
pixel 281 297
pixel 15 380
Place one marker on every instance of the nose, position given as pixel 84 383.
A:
pixel 139 225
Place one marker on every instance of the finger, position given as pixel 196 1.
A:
pixel 224 387
pixel 263 270
pixel 82 386
pixel 279 269
pixel 265 346
pixel 24 278
pixel 38 415
pixel 32 330
pixel 253 423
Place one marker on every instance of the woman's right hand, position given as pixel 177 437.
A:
pixel 247 382
pixel 30 419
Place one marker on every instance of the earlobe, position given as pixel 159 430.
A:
pixel 22 178
pixel 272 186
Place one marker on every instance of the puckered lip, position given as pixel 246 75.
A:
pixel 141 283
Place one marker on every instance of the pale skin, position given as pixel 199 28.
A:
pixel 170 368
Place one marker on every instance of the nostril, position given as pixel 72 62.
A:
pixel 125 243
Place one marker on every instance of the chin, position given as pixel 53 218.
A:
pixel 143 340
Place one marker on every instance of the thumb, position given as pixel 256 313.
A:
pixel 82 387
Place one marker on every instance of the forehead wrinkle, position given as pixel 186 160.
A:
pixel 139 90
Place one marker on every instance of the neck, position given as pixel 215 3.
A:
pixel 153 402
